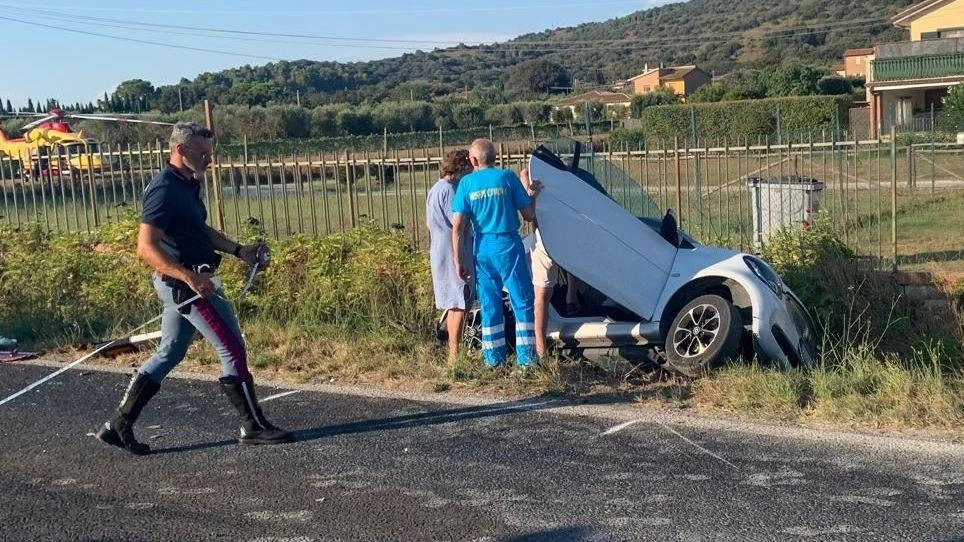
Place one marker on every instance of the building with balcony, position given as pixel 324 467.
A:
pixel 908 81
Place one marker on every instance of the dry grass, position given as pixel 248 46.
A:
pixel 389 360
pixel 863 391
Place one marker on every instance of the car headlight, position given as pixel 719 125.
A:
pixel 765 273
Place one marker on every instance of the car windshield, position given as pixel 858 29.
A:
pixel 604 173
pixel 608 175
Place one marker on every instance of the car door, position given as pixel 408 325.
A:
pixel 595 239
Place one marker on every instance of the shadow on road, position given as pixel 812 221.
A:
pixel 553 535
pixel 434 417
pixel 403 422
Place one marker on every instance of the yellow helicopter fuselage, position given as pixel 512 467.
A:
pixel 55 149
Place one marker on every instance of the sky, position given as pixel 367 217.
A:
pixel 75 51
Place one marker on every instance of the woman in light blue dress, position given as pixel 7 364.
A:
pixel 452 294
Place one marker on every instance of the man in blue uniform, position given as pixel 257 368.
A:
pixel 491 199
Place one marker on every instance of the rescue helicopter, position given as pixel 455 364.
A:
pixel 49 146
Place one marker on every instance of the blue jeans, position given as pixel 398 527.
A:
pixel 213 317
pixel 501 261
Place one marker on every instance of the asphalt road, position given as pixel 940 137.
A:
pixel 395 468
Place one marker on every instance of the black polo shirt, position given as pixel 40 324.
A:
pixel 173 204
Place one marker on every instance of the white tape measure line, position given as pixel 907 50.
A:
pixel 88 356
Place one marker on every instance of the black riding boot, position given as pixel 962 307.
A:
pixel 255 429
pixel 119 431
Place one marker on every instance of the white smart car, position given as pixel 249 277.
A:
pixel 661 292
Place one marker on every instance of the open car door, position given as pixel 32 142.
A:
pixel 594 238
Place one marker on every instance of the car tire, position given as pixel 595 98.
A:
pixel 473 327
pixel 704 333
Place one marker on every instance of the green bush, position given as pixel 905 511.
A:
pixel 71 286
pixel 952 117
pixel 633 138
pixel 66 288
pixel 742 120
pixel 929 137
pixel 856 303
pixel 362 279
pixel 660 96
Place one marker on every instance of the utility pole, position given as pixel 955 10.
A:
pixel 180 103
pixel 298 97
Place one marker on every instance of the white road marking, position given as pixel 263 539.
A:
pixel 857 499
pixel 620 427
pixel 812 533
pixel 300 516
pixel 277 395
pixel 697 446
pixel 624 425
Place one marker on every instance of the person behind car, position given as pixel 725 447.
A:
pixel 491 199
pixel 452 293
pixel 546 275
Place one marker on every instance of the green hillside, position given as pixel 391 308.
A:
pixel 719 35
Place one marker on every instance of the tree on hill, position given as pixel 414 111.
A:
pixel 135 94
pixel 792 79
pixel 536 77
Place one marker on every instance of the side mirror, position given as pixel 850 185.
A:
pixel 576 152
pixel 669 229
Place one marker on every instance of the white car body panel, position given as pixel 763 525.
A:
pixel 583 228
pixel 608 248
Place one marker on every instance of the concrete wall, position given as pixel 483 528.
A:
pixel 694 80
pixel 947 46
pixel 858 65
pixel 646 83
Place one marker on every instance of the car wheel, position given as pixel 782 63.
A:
pixel 473 327
pixel 703 334
pixel 473 330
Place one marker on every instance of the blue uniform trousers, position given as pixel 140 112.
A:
pixel 501 261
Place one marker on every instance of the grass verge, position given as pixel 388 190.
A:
pixel 356 308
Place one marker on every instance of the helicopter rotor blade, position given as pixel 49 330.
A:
pixel 22 115
pixel 120 119
pixel 38 122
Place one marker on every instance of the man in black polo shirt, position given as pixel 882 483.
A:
pixel 175 240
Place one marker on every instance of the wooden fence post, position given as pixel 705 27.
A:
pixel 893 192
pixel 218 204
pixel 350 186
pixel 679 185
